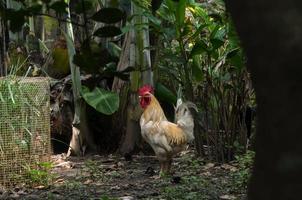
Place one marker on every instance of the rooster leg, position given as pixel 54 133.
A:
pixel 165 170
pixel 166 167
pixel 162 168
pixel 169 163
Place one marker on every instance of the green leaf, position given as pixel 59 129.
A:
pixel 220 33
pixel 196 69
pixel 108 15
pixel 216 43
pixel 35 9
pixel 114 49
pixel 155 4
pixel 226 77
pixel 217 37
pixel 92 62
pixel 79 7
pixel 152 19
pixel 59 7
pixel 164 94
pixel 107 31
pixel 102 100
pixel 86 62
pixel 46 1
pixel 214 31
pixel 92 57
pixel 216 16
pixel 171 6
pixel 16 19
pixel 199 48
pixel 198 31
pixel 181 12
pixel 110 71
pixel 238 61
pixel 232 53
pixel 200 12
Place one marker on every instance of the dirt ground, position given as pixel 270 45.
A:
pixel 111 177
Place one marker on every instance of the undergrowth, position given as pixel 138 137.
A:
pixel 40 175
pixel 241 177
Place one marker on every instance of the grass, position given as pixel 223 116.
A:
pixel 24 125
pixel 97 173
pixel 40 175
pixel 189 188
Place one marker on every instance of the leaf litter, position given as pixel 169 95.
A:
pixel 112 177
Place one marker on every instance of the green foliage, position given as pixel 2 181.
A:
pixel 189 188
pixel 180 12
pixel 96 171
pixel 199 48
pixel 108 15
pixel 107 31
pixel 102 100
pixel 88 5
pixel 107 198
pixel 92 58
pixel 18 17
pixel 23 101
pixel 142 3
pixel 59 7
pixel 40 175
pixel 155 4
pixel 164 94
pixel 197 69
pixel 242 176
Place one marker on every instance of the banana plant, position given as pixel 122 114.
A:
pixel 77 145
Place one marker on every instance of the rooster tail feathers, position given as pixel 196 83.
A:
pixel 179 95
pixel 192 105
pixel 179 102
pixel 184 118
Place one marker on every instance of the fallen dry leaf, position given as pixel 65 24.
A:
pixel 208 166
pixel 227 197
pixel 88 181
pixel 229 167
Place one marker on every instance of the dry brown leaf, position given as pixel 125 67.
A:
pixel 88 181
pixel 227 197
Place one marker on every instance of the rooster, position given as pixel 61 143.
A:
pixel 165 138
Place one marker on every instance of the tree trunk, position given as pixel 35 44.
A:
pixel 132 127
pixel 271 35
pixel 139 57
pixel 81 136
pixel 132 136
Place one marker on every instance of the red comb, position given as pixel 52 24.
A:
pixel 146 88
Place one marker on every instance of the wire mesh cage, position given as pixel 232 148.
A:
pixel 24 127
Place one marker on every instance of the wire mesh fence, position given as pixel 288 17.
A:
pixel 24 127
